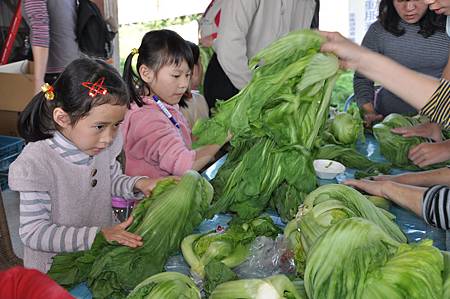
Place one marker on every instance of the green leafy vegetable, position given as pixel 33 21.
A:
pixel 274 287
pixel 395 147
pixel 357 259
pixel 167 285
pixel 172 212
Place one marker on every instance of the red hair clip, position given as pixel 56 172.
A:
pixel 95 88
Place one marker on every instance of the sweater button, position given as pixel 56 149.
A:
pixel 94 172
pixel 94 183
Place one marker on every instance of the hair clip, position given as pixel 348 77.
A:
pixel 134 51
pixel 95 88
pixel 48 91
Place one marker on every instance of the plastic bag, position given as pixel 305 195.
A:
pixel 267 257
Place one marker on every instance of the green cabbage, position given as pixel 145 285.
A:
pixel 172 212
pixel 346 128
pixel 273 287
pixel 167 285
pixel 395 147
pixel 357 259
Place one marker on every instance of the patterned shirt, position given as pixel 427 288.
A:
pixel 436 206
pixel 438 108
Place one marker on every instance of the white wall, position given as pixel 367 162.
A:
pixel 349 17
pixel 138 11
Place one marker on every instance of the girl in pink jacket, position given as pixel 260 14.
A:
pixel 157 138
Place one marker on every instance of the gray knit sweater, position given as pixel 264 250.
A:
pixel 424 55
pixel 78 207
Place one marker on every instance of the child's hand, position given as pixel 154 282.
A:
pixel 146 185
pixel 120 235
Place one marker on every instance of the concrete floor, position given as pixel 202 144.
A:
pixel 11 203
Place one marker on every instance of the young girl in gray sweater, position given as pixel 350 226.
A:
pixel 68 171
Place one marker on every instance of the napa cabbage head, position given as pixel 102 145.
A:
pixel 366 262
pixel 347 127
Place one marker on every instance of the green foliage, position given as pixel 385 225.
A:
pixel 277 286
pixel 274 120
pixel 352 159
pixel 395 147
pixel 172 212
pixel 229 248
pixel 342 90
pixel 167 285
pixel 366 262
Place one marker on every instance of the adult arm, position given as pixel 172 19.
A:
pixel 406 196
pixel 231 43
pixel 39 22
pixel 428 178
pixel 364 87
pixel 412 87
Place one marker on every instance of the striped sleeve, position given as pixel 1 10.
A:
pixel 436 206
pixel 38 20
pixel 123 185
pixel 438 108
pixel 38 232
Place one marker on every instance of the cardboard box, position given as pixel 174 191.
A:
pixel 8 123
pixel 16 85
pixel 16 90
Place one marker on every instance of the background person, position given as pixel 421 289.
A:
pixel 52 34
pixel 246 27
pixel 403 32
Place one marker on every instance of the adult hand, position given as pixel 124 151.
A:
pixel 372 187
pixel 425 130
pixel 426 154
pixel 120 235
pixel 348 52
pixel 370 118
pixel 439 6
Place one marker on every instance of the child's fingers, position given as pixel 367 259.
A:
pixel 127 241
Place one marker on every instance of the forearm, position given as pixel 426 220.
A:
pixel 446 71
pixel 40 55
pixel 204 155
pixel 412 87
pixel 406 196
pixel 428 178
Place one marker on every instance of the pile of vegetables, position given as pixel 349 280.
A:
pixel 357 259
pixel 395 147
pixel 274 120
pixel 325 207
pixel 167 285
pixel 227 249
pixel 172 212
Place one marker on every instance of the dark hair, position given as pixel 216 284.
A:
pixel 158 48
pixel 389 19
pixel 196 55
pixel 36 121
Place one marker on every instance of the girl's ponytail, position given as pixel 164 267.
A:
pixel 36 120
pixel 132 80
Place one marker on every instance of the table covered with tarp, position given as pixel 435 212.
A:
pixel 415 228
